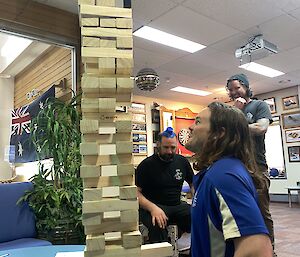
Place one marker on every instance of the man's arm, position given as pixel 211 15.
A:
pixel 192 188
pixel 260 127
pixel 253 246
pixel 158 215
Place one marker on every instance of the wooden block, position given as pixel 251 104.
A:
pixel 107 66
pixel 105 11
pixel 89 105
pixel 123 126
pixel 92 194
pixel 129 215
pixel 124 23
pixel 164 249
pixel 125 85
pixel 89 171
pixel 107 104
pixel 111 3
pixel 89 149
pixel 92 219
pixel 108 85
pixel 90 22
pixel 107 149
pixel 107 52
pixel 128 192
pixel 107 130
pixel 125 169
pixel 111 226
pixel 109 215
pixel 132 239
pixel 106 32
pixel 124 147
pixel 106 205
pixel 89 126
pixel 109 160
pixel 90 84
pixel 108 181
pixel 88 2
pixel 96 243
pixel 108 43
pixel 109 170
pixel 116 251
pixel 125 42
pixel 110 191
pixel 108 23
pixel 91 41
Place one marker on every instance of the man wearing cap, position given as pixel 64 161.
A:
pixel 159 179
pixel 259 117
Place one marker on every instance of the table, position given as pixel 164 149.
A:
pixel 291 188
pixel 42 251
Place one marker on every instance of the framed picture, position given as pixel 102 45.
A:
pixel 155 136
pixel 292 135
pixel 290 102
pixel 139 137
pixel 294 153
pixel 155 116
pixel 139 127
pixel 137 107
pixel 271 103
pixel 291 120
pixel 138 117
pixel 140 149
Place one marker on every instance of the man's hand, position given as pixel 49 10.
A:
pixel 159 216
pixel 240 103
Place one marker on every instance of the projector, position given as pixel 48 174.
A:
pixel 256 48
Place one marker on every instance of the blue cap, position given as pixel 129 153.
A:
pixel 168 133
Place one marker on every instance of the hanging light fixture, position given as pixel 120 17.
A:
pixel 147 79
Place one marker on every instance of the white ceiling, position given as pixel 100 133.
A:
pixel 223 26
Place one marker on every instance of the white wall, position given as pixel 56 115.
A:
pixel 6 105
pixel 278 186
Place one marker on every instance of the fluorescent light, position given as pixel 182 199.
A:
pixel 167 39
pixel 191 91
pixel 261 69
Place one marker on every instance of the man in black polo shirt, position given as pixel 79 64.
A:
pixel 159 179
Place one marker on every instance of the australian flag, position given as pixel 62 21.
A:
pixel 21 147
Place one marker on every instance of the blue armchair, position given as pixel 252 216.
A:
pixel 17 222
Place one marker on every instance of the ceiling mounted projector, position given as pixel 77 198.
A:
pixel 256 48
pixel 147 79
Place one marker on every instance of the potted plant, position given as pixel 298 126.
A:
pixel 56 197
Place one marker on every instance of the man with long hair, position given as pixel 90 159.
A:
pixel 259 117
pixel 226 220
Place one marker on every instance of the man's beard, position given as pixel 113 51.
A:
pixel 166 157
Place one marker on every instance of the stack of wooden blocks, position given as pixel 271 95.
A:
pixel 110 205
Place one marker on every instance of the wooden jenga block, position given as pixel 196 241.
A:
pixel 132 239
pixel 128 192
pixel 89 2
pixel 111 226
pixel 157 250
pixel 107 52
pixel 107 149
pixel 92 194
pixel 107 104
pixel 111 215
pixel 108 85
pixel 91 41
pixel 129 215
pixel 124 85
pixel 124 23
pixel 108 43
pixel 109 170
pixel 110 191
pixel 108 160
pixel 89 105
pixel 123 126
pixel 124 42
pixel 90 84
pixel 92 219
pixel 108 23
pixel 106 32
pixel 89 126
pixel 89 149
pixel 105 11
pixel 111 3
pixel 124 66
pixel 89 171
pixel 108 181
pixel 90 22
pixel 125 169
pixel 95 243
pixel 107 66
pixel 124 147
pixel 107 130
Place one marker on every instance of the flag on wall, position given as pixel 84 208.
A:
pixel 21 148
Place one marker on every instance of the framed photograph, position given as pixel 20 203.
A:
pixel 294 153
pixel 291 120
pixel 137 117
pixel 292 135
pixel 137 107
pixel 271 103
pixel 155 116
pixel 290 102
pixel 139 137
pixel 139 127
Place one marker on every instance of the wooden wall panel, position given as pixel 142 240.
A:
pixel 49 69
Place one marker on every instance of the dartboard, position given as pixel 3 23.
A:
pixel 183 136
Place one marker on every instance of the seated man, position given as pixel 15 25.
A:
pixel 159 179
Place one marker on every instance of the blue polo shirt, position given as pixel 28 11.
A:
pixel 224 207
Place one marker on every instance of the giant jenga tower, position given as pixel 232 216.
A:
pixel 110 205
